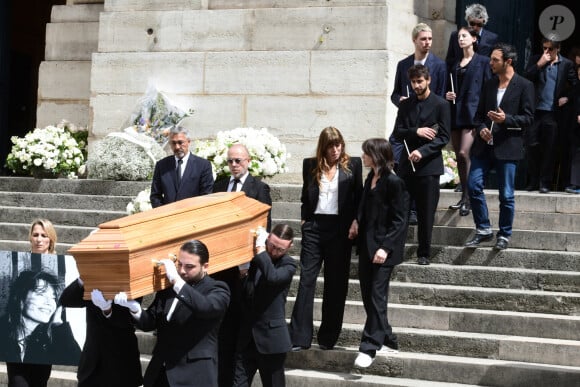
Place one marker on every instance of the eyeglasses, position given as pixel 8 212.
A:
pixel 237 161
pixel 548 48
pixel 475 23
pixel 180 142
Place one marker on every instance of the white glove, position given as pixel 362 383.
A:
pixel 99 301
pixel 170 270
pixel 132 305
pixel 261 237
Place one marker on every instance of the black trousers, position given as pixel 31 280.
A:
pixel 374 285
pixel 28 375
pixel 271 367
pixel 323 241
pixel 542 151
pixel 424 190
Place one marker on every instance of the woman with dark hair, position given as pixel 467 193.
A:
pixel 382 230
pixel 330 196
pixel 33 333
pixel 469 74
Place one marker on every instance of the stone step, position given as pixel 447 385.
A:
pixel 524 220
pixel 516 300
pixel 63 217
pixel 64 201
pixel 442 368
pixel 525 201
pixel 66 234
pixel 10 245
pixel 80 186
pixel 498 322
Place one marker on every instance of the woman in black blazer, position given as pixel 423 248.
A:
pixel 382 230
pixel 469 74
pixel 330 197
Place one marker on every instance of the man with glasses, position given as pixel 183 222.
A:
pixel 554 78
pixel 476 17
pixel 264 339
pixel 186 316
pixel 240 180
pixel 181 176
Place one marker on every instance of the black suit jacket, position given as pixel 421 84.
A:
pixel 468 92
pixel 349 192
pixel 264 301
pixel 253 188
pixel 485 46
pixel 190 335
pixel 565 80
pixel 518 105
pixel 197 179
pixel 413 114
pixel 437 71
pixel 385 224
pixel 110 355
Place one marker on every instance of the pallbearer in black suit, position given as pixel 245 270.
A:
pixel 382 230
pixel 187 318
pixel 240 180
pixel 423 123
pixel 330 196
pixel 110 355
pixel 181 176
pixel 264 339
pixel 506 110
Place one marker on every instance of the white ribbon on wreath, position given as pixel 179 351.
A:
pixel 128 134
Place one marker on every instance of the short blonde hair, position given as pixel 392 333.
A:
pixel 420 28
pixel 50 231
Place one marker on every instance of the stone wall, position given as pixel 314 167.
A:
pixel 295 66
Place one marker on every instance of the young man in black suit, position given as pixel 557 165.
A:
pixel 554 78
pixel 240 180
pixel 187 318
pixel 181 176
pixel 506 110
pixel 264 339
pixel 423 124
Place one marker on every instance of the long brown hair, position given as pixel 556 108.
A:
pixel 328 137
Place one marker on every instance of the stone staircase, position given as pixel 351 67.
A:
pixel 473 317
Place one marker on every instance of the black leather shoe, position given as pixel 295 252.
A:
pixel 298 348
pixel 465 209
pixel 477 239
pixel 423 261
pixel 325 347
pixel 456 206
pixel 531 187
pixel 458 188
pixel 413 218
pixel 501 243
pixel 544 190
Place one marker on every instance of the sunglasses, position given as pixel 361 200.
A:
pixel 237 161
pixel 475 24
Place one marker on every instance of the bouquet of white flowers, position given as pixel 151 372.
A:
pixel 140 203
pixel 50 151
pixel 267 154
pixel 450 175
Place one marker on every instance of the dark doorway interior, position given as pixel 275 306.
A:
pixel 22 41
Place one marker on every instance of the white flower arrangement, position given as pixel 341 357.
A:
pixel 126 155
pixel 140 203
pixel 47 151
pixel 268 155
pixel 450 175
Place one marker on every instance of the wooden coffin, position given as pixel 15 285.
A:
pixel 121 254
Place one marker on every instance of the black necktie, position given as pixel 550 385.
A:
pixel 235 186
pixel 178 171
